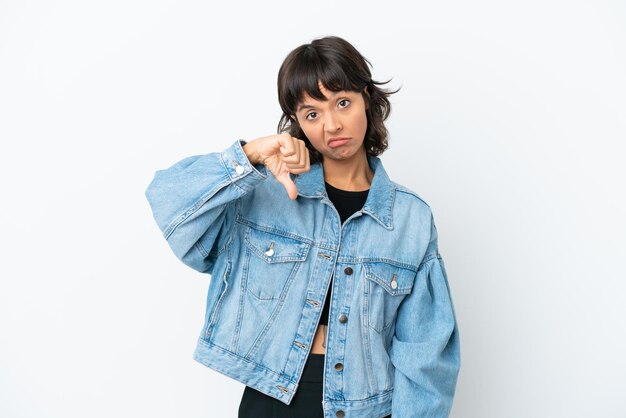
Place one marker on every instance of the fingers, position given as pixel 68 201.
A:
pixel 288 148
pixel 304 163
pixel 289 185
pixel 295 157
pixel 294 154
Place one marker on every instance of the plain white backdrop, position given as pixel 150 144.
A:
pixel 510 123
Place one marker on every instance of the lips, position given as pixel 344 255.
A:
pixel 337 142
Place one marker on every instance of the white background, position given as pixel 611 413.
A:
pixel 510 123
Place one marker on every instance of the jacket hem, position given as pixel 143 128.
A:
pixel 270 383
pixel 375 406
pixel 245 371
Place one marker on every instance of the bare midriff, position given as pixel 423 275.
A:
pixel 319 341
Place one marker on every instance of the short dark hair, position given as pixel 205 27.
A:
pixel 338 65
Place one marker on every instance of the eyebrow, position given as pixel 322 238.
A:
pixel 308 106
pixel 305 106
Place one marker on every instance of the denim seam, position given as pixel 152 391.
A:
pixel 191 210
pixel 254 225
pixel 428 258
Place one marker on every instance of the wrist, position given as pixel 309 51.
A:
pixel 250 151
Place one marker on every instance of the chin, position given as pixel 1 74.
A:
pixel 343 155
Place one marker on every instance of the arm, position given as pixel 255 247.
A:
pixel 425 348
pixel 193 202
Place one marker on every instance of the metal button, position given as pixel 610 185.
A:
pixel 394 282
pixel 313 302
pixel 340 414
pixel 348 270
pixel 343 319
pixel 339 367
pixel 270 251
pixel 238 168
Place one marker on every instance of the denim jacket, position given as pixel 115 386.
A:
pixel 392 342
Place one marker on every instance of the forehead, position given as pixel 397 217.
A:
pixel 327 93
pixel 307 101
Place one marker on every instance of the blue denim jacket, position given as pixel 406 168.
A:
pixel 271 260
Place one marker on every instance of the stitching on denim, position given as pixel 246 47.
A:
pixel 428 258
pixel 276 231
pixel 191 210
pixel 204 253
pixel 405 190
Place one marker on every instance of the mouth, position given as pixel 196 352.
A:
pixel 337 142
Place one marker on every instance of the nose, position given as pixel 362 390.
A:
pixel 332 123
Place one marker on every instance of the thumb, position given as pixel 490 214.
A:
pixel 290 186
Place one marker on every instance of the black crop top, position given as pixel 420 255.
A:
pixel 346 202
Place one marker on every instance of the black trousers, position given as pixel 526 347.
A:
pixel 306 403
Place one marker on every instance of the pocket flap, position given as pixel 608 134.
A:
pixel 395 280
pixel 276 248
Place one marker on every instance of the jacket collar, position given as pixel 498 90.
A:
pixel 380 199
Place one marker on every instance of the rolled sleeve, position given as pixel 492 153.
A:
pixel 193 201
pixel 239 168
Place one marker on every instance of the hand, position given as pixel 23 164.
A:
pixel 281 154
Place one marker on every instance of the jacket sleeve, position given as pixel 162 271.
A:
pixel 425 348
pixel 193 202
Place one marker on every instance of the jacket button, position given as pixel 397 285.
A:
pixel 348 270
pixel 343 319
pixel 339 367
pixel 340 414
pixel 238 168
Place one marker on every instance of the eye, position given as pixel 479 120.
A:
pixel 346 101
pixel 312 113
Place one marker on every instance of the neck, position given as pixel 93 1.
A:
pixel 353 174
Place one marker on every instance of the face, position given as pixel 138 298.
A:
pixel 336 127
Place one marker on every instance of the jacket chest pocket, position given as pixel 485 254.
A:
pixel 272 260
pixel 386 285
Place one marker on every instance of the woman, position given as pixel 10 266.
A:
pixel 328 295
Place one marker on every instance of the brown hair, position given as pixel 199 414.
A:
pixel 337 64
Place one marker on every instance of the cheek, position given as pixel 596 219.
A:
pixel 363 123
pixel 313 134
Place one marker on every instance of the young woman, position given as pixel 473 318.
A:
pixel 328 296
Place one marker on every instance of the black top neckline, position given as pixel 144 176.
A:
pixel 348 193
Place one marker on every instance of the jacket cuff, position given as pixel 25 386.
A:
pixel 239 168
